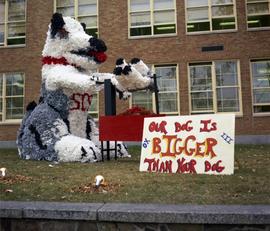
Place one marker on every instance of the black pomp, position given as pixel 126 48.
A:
pixel 57 23
pixel 119 61
pixel 135 60
pixel 84 26
pixel 98 44
pixel 31 106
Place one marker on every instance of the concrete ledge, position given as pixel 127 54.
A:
pixel 138 213
pixel 191 214
pixel 252 139
pixel 8 144
pixel 50 210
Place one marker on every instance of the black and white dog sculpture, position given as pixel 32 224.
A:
pixel 59 127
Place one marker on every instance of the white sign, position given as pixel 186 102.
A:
pixel 189 144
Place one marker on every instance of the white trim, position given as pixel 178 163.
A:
pixel 6 23
pixel 4 98
pixel 76 13
pixel 214 87
pixel 257 114
pixel 211 17
pixel 152 25
pixel 256 28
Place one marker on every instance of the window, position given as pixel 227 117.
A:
pixel 85 11
pixel 168 91
pixel 151 17
pixel 260 70
pixel 210 15
pixel 12 22
pixel 93 110
pixel 214 87
pixel 11 96
pixel 258 13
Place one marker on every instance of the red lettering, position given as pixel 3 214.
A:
pixel 177 148
pixel 206 128
pixel 76 101
pixel 82 101
pixel 149 162
pixel 155 127
pixel 209 144
pixel 184 127
pixel 168 149
pixel 154 166
pixel 191 150
pixel 88 98
pixel 156 147
pixel 214 168
pixel 166 166
pixel 186 167
pixel 199 151
pixel 207 166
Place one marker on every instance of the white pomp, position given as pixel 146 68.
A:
pixel 99 180
pixel 3 172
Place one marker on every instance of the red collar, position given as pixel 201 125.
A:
pixel 51 60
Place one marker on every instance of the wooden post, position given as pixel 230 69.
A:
pixel 110 109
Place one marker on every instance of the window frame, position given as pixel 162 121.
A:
pixel 256 114
pixel 215 87
pixel 91 113
pixel 151 10
pixel 77 16
pixel 210 17
pixel 6 25
pixel 153 67
pixel 256 28
pixel 4 99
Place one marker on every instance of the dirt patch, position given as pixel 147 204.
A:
pixel 91 188
pixel 13 179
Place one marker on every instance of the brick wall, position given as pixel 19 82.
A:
pixel 181 49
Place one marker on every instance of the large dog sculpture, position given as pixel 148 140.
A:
pixel 59 127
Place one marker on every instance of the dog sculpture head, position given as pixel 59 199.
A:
pixel 68 42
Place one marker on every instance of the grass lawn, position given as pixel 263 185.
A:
pixel 71 182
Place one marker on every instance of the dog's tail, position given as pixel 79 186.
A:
pixel 29 109
pixel 31 106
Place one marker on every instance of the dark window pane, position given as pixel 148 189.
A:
pixel 164 29
pixel 199 26
pixel 140 31
pixel 264 108
pixel 259 21
pixel 223 23
pixel 92 31
pixel 16 41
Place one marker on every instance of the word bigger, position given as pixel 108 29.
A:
pixel 189 146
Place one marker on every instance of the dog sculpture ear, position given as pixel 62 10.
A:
pixel 57 24
pixel 84 26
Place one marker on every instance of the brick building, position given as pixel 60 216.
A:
pixel 211 56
